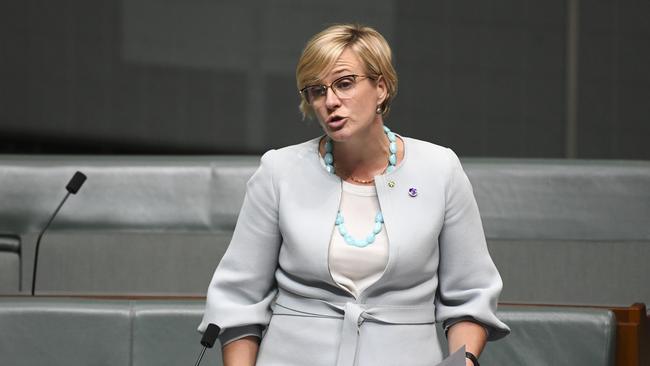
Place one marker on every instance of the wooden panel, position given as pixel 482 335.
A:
pixel 632 336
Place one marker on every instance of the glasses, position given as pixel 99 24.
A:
pixel 343 87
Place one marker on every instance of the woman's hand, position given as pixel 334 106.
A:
pixel 470 334
pixel 241 352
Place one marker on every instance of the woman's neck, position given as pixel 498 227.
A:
pixel 363 156
pixel 364 149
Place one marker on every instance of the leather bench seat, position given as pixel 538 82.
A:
pixel 9 264
pixel 554 336
pixel 560 231
pixel 82 332
pixel 64 332
pixel 73 331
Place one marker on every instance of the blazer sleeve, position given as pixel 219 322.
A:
pixel 469 283
pixel 243 285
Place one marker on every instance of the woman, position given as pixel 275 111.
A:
pixel 349 247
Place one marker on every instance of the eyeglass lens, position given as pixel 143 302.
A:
pixel 343 87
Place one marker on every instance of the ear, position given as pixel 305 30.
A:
pixel 382 90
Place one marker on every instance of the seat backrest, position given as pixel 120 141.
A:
pixel 553 335
pixel 558 230
pixel 81 332
pixel 65 331
pixel 9 264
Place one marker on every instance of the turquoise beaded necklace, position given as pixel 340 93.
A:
pixel 379 218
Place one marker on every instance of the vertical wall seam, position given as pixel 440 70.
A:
pixel 572 43
pixel 615 122
pixel 256 85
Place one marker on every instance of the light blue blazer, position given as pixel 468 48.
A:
pixel 275 273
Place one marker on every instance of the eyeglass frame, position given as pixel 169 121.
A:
pixel 303 91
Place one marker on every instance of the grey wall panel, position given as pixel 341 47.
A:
pixel 484 79
pixel 488 79
pixel 613 82
pixel 284 124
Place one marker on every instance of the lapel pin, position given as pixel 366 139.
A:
pixel 391 184
pixel 413 192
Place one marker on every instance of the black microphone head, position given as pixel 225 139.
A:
pixel 210 335
pixel 76 182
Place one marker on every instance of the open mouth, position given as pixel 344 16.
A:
pixel 336 122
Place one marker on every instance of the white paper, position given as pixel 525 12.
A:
pixel 456 359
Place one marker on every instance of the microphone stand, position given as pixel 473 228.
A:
pixel 38 241
pixel 200 356
pixel 72 187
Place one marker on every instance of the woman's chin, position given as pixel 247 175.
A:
pixel 340 135
pixel 336 133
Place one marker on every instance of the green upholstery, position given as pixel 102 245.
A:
pixel 560 231
pixel 164 333
pixel 142 263
pixel 64 331
pixel 52 332
pixel 9 264
pixel 139 225
pixel 554 336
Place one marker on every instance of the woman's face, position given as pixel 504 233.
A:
pixel 351 108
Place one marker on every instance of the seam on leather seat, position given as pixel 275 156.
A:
pixel 131 330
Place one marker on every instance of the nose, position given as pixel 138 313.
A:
pixel 332 100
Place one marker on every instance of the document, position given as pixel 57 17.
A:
pixel 456 359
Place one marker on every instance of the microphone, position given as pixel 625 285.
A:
pixel 209 336
pixel 72 187
pixel 76 182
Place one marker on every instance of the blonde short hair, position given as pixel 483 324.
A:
pixel 323 49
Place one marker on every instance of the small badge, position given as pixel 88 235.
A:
pixel 391 184
pixel 413 192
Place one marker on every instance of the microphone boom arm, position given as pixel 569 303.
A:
pixel 38 241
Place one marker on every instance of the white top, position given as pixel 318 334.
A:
pixel 352 267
